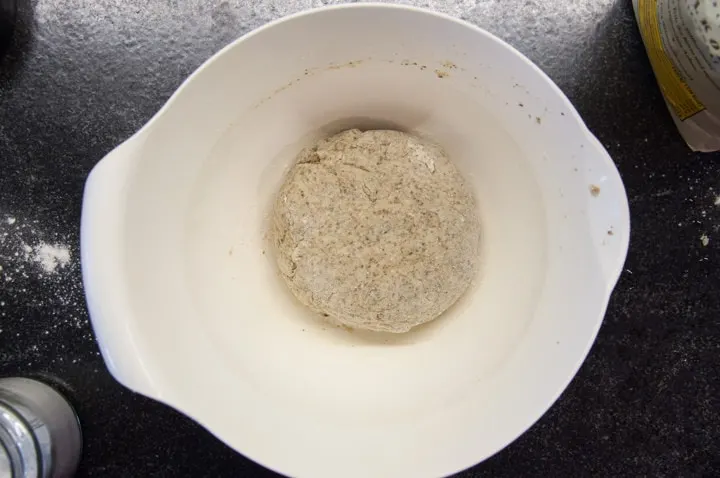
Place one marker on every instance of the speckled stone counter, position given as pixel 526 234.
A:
pixel 81 76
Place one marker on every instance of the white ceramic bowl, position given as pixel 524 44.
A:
pixel 183 291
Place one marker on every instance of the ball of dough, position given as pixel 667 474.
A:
pixel 376 230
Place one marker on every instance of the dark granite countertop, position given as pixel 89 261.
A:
pixel 80 76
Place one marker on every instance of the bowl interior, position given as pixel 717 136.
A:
pixel 225 341
pixel 232 274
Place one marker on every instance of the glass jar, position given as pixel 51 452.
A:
pixel 40 433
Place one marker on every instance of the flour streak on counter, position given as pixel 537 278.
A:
pixel 48 257
pixel 34 259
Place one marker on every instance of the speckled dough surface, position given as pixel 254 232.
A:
pixel 376 230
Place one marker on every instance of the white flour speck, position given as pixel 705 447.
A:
pixel 717 200
pixel 704 240
pixel 11 221
pixel 50 257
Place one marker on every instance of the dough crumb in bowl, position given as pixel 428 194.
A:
pixel 376 230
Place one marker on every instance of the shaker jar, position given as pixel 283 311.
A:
pixel 40 434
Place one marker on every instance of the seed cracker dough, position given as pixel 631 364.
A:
pixel 376 230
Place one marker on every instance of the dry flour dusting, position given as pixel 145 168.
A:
pixel 23 248
pixel 39 277
pixel 50 257
pixel 42 308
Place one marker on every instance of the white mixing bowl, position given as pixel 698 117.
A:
pixel 183 291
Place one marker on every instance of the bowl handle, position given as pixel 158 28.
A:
pixel 102 257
